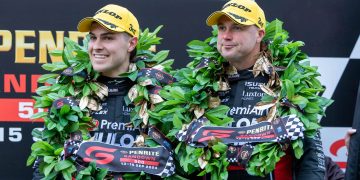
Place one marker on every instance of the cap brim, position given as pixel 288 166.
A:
pixel 85 25
pixel 214 17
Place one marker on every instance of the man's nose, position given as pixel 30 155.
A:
pixel 97 44
pixel 226 34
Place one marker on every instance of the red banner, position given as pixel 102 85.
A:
pixel 18 110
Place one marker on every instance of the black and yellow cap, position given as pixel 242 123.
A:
pixel 112 17
pixel 246 12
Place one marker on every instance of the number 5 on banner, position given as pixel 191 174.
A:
pixel 26 109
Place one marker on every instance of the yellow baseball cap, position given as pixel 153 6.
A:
pixel 246 12
pixel 114 18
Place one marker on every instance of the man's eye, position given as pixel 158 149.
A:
pixel 237 28
pixel 221 28
pixel 108 38
pixel 92 38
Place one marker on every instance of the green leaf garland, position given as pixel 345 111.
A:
pixel 82 86
pixel 195 94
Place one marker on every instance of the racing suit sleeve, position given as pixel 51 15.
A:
pixel 37 175
pixel 333 171
pixel 312 164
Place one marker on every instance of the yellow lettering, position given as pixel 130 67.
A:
pixel 6 40
pixel 47 43
pixel 76 35
pixel 21 46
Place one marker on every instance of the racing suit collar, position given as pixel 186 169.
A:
pixel 242 75
pixel 117 86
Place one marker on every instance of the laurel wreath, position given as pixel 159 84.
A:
pixel 292 89
pixel 88 93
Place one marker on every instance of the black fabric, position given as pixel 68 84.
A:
pixel 114 115
pixel 333 171
pixel 312 164
pixel 353 162
pixel 37 175
pixel 244 94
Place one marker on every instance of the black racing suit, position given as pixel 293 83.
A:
pixel 111 119
pixel 243 96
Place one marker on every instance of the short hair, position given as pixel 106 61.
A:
pixel 133 54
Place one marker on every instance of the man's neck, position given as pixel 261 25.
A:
pixel 245 62
pixel 120 70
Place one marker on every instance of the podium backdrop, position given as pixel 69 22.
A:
pixel 28 29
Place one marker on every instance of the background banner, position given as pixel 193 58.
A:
pixel 29 29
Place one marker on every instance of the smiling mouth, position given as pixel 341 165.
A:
pixel 100 56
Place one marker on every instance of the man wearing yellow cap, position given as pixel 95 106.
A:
pixel 114 33
pixel 241 28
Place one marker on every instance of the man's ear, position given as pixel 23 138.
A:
pixel 132 44
pixel 261 34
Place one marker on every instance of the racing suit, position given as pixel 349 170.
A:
pixel 111 119
pixel 242 98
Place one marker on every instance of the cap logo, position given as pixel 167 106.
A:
pixel 242 19
pixel 238 6
pixel 113 26
pixel 260 22
pixel 131 28
pixel 109 12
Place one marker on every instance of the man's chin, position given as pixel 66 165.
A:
pixel 99 69
pixel 227 56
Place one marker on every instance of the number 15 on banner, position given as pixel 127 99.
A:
pixel 15 134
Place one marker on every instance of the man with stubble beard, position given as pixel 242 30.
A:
pixel 241 28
